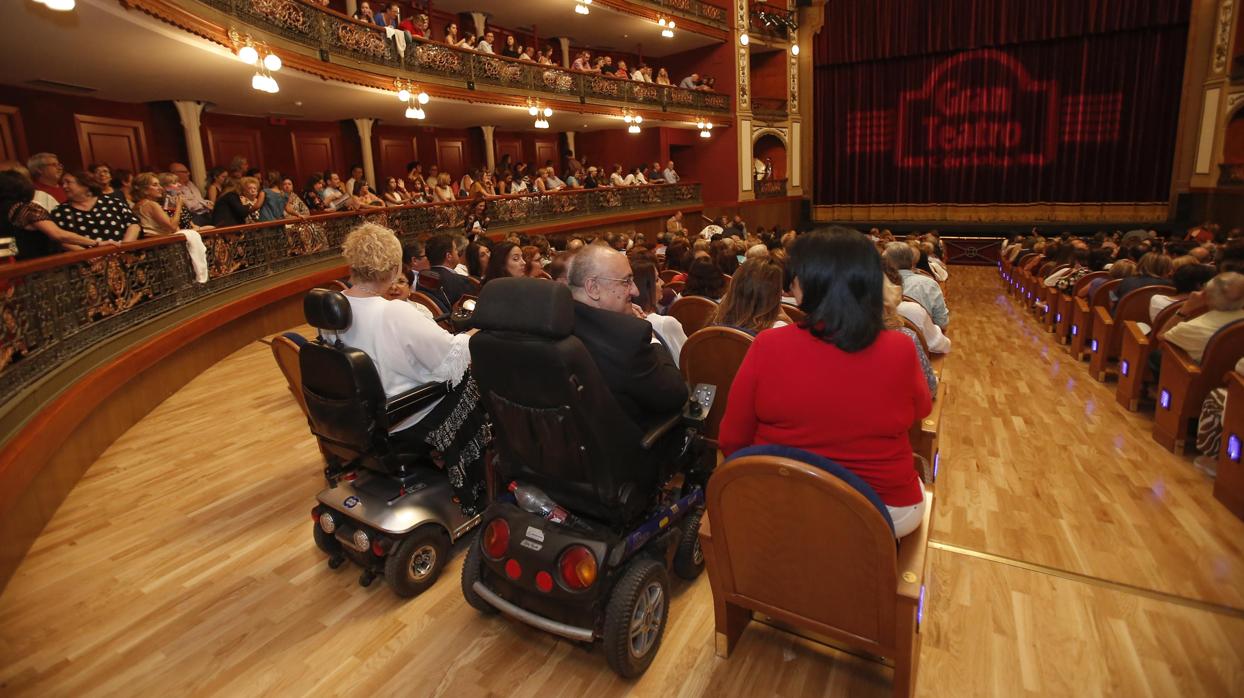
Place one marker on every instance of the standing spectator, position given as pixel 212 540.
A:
pixel 238 206
pixel 91 214
pixel 216 178
pixel 274 199
pixel 200 208
pixel 510 48
pixel 45 170
pixel 670 175
pixel 356 178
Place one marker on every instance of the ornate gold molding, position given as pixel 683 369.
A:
pixel 1222 35
pixel 1043 212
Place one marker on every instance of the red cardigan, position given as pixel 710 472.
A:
pixel 856 409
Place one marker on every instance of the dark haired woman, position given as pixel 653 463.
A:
pixel 668 329
pixel 90 213
pixel 836 384
pixel 28 222
pixel 477 256
pixel 506 260
pixel 705 279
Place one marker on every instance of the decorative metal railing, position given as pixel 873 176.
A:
pixel 56 307
pixel 702 12
pixel 769 108
pixel 332 33
pixel 771 20
pixel 769 188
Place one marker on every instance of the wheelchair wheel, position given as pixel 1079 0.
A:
pixel 635 617
pixel 416 562
pixel 471 569
pixel 689 558
pixel 326 542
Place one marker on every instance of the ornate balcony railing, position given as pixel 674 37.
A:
pixel 770 188
pixel 1231 174
pixel 55 307
pixel 772 21
pixel 332 33
pixel 697 10
pixel 769 108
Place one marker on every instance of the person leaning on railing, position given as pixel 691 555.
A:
pixel 238 206
pixel 91 214
pixel 37 235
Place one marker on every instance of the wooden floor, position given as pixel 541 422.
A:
pixel 1071 556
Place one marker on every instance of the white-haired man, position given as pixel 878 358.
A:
pixel 1224 296
pixel 923 289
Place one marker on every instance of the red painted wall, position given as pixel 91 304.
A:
pixel 604 148
pixel 768 72
pixel 716 61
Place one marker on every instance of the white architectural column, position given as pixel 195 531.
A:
pixel 570 143
pixel 746 175
pixel 564 42
pixel 352 6
pixel 191 113
pixel 490 149
pixel 369 167
pixel 481 23
pixel 794 174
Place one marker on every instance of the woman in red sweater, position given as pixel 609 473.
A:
pixel 837 384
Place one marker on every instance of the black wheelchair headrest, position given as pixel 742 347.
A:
pixel 327 310
pixel 531 306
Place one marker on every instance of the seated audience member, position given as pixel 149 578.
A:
pixel 510 49
pixel 673 225
pixel 922 289
pixel 1064 279
pixel 894 321
pixel 704 279
pixel 782 393
pixel 103 178
pixel 1153 269
pixel 216 180
pixel 444 190
pixel 294 206
pixel 506 260
pixel 477 256
pixel 393 194
pixel 668 329
pixel 409 349
pixel 334 194
pixel 1119 270
pixel 365 197
pixel 365 13
pixel 753 300
pixel 91 214
pixel 485 44
pixel 937 340
pixel 238 206
pixel 663 77
pixel 670 175
pixel 617 179
pixel 1224 298
pixel 460 247
pixel 535 265
pixel 1209 428
pixel 148 206
pixel 937 267
pixel 123 181
pixel 639 371
pixel 691 82
pixel 274 198
pixel 443 258
pixel 415 181
pixel 29 224
pixel 451 34
pixel 45 172
pixel 312 196
pixel 174 201
pixel 1187 279
pixel 199 207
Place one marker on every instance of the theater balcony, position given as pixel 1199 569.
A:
pixel 331 45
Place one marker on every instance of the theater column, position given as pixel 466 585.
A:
pixel 369 169
pixel 490 150
pixel 352 6
pixel 481 22
pixel 564 42
pixel 191 113
pixel 570 142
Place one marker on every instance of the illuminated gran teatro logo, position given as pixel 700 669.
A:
pixel 983 108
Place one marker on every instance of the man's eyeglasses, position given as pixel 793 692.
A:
pixel 625 281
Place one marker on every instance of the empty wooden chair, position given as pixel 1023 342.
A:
pixel 285 349
pixel 713 355
pixel 1183 383
pixel 1229 485
pixel 792 541
pixel 1082 317
pixel 1134 350
pixel 1066 306
pixel 794 313
pixel 1107 336
pixel 667 275
pixel 693 312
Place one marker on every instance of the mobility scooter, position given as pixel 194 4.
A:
pixel 387 509
pixel 588 560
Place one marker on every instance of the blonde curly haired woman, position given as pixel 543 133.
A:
pixel 409 349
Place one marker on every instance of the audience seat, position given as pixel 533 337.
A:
pixel 794 313
pixel 1183 384
pixel 285 348
pixel 693 312
pixel 426 301
pixel 1134 372
pixel 713 356
pixel 667 275
pixel 814 551
pixel 1066 306
pixel 1082 317
pixel 1229 485
pixel 1048 296
pixel 1107 336
pixel 676 286
pixel 924 435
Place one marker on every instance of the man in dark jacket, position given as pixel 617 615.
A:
pixel 443 258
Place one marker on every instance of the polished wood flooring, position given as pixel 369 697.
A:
pixel 1071 556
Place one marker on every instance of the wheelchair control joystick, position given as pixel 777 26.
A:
pixel 694 407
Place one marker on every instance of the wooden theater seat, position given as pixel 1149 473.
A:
pixel 924 434
pixel 794 313
pixel 1229 485
pixel 1134 372
pixel 285 349
pixel 795 543
pixel 1082 317
pixel 1048 295
pixel 693 312
pixel 1066 306
pixel 1183 383
pixel 676 286
pixel 667 275
pixel 713 356
pixel 1107 336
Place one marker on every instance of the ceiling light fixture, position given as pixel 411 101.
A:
pixel 667 27
pixel 580 6
pixel 58 5
pixel 412 96
pixel 706 128
pixel 542 114
pixel 634 120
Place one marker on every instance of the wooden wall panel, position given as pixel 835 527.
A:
pixel 392 155
pixel 510 145
pixel 546 149
pixel 121 143
pixel 12 135
pixel 223 143
pixel 451 156
pixel 313 152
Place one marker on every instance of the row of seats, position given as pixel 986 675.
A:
pixel 1118 339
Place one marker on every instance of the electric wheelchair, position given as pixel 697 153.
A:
pixel 595 567
pixel 386 507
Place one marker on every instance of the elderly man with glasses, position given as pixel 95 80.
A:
pixel 637 368
pixel 200 208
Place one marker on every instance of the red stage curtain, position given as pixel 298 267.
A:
pixel 980 101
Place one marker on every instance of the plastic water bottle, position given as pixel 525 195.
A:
pixel 534 500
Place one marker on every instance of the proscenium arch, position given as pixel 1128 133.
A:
pixel 769 131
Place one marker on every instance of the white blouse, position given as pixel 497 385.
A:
pixel 408 348
pixel 938 342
